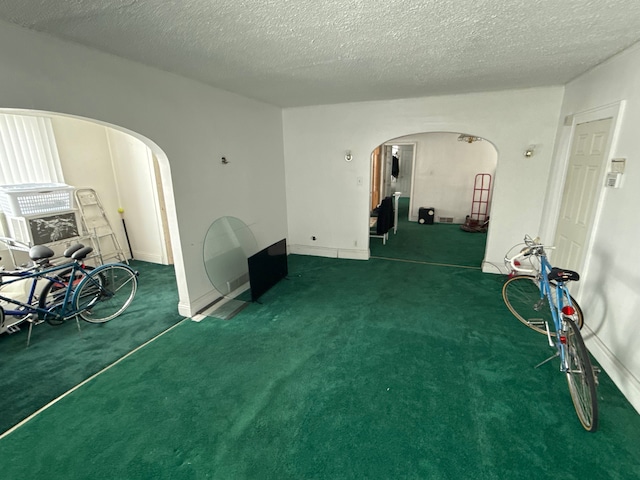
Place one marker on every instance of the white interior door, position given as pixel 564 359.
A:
pixel 403 184
pixel 581 191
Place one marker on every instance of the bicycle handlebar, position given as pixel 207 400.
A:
pixel 525 252
pixel 533 247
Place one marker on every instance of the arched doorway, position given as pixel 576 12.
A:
pixel 128 171
pixel 443 169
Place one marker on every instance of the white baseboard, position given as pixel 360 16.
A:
pixel 190 309
pixel 184 309
pixel 353 254
pixel 148 257
pixel 494 266
pixel 314 251
pixel 628 384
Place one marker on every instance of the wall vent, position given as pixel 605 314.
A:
pixel 237 282
pixel 445 219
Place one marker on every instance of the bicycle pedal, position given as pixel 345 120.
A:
pixel 13 329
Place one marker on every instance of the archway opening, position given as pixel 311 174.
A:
pixel 128 172
pixel 439 182
pixel 144 188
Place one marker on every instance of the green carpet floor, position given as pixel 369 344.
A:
pixel 60 357
pixel 437 243
pixel 379 369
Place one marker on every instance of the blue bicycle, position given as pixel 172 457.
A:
pixel 539 298
pixel 56 293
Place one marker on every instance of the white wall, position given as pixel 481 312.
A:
pixel 326 198
pixel 137 194
pixel 445 173
pixel 188 123
pixel 610 285
pixel 89 155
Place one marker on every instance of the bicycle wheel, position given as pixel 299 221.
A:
pixel 521 294
pixel 581 379
pixel 52 295
pixel 105 293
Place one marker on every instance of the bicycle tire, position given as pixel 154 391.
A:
pixel 52 296
pixel 581 378
pixel 105 293
pixel 521 295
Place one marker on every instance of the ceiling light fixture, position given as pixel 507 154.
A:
pixel 463 137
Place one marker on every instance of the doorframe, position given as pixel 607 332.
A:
pixel 413 167
pixel 615 112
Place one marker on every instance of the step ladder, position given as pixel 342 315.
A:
pixel 96 223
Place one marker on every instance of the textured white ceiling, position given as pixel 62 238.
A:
pixel 306 52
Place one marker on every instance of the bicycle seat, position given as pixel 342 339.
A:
pixel 82 253
pixel 559 274
pixel 40 252
pixel 72 249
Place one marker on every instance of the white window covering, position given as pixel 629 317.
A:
pixel 28 151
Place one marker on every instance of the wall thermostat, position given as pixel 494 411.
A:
pixel 613 179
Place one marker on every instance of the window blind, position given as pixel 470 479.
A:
pixel 28 151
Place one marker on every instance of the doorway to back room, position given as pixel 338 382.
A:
pixel 431 180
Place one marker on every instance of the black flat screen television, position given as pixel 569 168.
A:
pixel 267 267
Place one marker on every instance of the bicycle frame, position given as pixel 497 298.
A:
pixel 561 292
pixel 546 291
pixel 27 308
